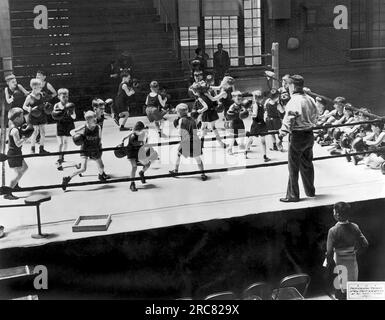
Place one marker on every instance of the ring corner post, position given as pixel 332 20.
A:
pixel 275 64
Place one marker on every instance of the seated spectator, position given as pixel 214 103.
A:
pixel 375 140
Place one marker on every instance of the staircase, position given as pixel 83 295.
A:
pixel 84 36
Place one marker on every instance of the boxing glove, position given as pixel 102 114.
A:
pixel 48 108
pixel 58 115
pixel 26 131
pixel 78 139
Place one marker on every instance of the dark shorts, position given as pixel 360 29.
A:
pixel 92 154
pixel 273 124
pixel 15 162
pixel 154 114
pixel 210 116
pixel 259 129
pixel 38 121
pixel 63 129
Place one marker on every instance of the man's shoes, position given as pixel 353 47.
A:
pixel 287 200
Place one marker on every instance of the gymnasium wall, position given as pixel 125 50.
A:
pixel 311 23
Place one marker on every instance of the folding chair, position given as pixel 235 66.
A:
pixel 260 290
pixel 292 287
pixel 228 295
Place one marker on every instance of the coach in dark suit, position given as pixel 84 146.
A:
pixel 221 64
pixel 301 116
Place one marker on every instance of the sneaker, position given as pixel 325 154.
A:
pixel 106 176
pixel 348 157
pixel 133 187
pixel 102 178
pixel 59 165
pixel 203 177
pixel 43 151
pixel 266 159
pixel 33 150
pixel 173 172
pixel 275 148
pixel 66 181
pixel 356 160
pixel 124 129
pixel 142 177
pixel 11 197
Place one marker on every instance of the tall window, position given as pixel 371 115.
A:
pixel 368 29
pixel 240 35
pixel 253 33
pixel 188 42
pixel 222 30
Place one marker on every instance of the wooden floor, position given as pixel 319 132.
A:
pixel 174 201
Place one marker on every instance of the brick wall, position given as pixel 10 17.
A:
pixel 320 44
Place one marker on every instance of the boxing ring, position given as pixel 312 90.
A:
pixel 236 187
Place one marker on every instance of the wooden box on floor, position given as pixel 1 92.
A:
pixel 92 223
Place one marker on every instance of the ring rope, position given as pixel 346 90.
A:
pixel 4 157
pixel 189 173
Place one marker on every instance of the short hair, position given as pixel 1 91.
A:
pixel 97 102
pixel 139 126
pixel 197 50
pixel 89 115
pixel 297 80
pixel 34 82
pixel 340 100
pixel 342 210
pixel 10 77
pixel 286 77
pixel 274 93
pixel 236 94
pixel 182 109
pixel 41 72
pixel 257 94
pixel 198 72
pixel 125 74
pixel 154 84
pixel 14 113
pixel 228 80
pixel 63 91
